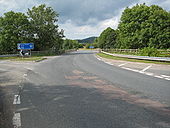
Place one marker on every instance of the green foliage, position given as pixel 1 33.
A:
pixel 14 28
pixel 39 27
pixel 95 45
pixel 143 26
pixel 87 46
pixel 70 44
pixel 44 28
pixel 107 39
pixel 81 45
pixel 148 51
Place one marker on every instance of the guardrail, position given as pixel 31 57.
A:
pixel 163 59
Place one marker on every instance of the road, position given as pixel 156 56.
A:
pixel 76 90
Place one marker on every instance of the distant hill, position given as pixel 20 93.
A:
pixel 87 40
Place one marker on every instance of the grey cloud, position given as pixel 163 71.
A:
pixel 80 12
pixel 88 11
pixel 83 17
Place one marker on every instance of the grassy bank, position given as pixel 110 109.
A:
pixel 138 52
pixel 34 58
pixel 131 60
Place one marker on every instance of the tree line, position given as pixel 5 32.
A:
pixel 139 27
pixel 38 25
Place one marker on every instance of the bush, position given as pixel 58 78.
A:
pixel 87 46
pixel 147 51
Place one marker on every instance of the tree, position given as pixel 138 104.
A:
pixel 44 27
pixel 107 38
pixel 70 44
pixel 81 45
pixel 143 26
pixel 14 28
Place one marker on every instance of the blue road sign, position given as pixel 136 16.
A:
pixel 91 47
pixel 26 46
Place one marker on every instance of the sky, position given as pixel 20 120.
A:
pixel 82 18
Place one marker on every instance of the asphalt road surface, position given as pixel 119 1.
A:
pixel 76 90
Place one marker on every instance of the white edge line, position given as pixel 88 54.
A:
pixel 149 74
pixel 142 71
pixel 17 120
pixel 167 78
pixel 122 64
pixel 107 62
pixel 158 76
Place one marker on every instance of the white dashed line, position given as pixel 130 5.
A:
pixel 122 64
pixel 17 120
pixel 17 99
pixel 146 68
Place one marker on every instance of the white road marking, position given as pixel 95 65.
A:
pixel 17 99
pixel 146 68
pixel 134 70
pixel 149 73
pixel 17 120
pixel 109 63
pixel 159 77
pixel 99 58
pixel 122 64
pixel 165 76
pixel 141 72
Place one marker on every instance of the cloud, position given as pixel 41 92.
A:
pixel 89 11
pixel 80 18
pixel 73 31
pixel 16 5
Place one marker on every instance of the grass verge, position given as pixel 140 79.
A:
pixel 131 60
pixel 34 58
